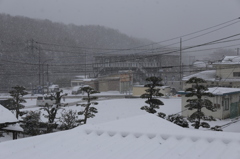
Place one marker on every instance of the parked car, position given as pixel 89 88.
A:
pixel 77 90
pixel 53 88
pixel 43 100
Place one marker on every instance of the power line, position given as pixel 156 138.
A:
pixel 119 50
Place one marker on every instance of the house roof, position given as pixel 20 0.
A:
pixel 209 75
pixel 145 136
pixel 224 90
pixel 229 60
pixel 200 64
pixel 13 128
pixel 219 91
pixel 6 116
pixel 53 86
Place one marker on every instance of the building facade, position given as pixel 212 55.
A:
pixel 226 102
pixel 142 66
pixel 225 73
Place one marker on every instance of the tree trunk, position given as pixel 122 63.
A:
pixel 87 108
pixel 14 135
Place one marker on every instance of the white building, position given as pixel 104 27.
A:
pixel 225 73
pixel 225 100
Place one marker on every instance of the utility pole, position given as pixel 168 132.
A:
pixel 39 68
pixel 47 80
pixel 85 65
pixel 180 64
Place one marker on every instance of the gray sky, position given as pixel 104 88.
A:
pixel 156 20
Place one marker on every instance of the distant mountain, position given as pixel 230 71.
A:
pixel 28 45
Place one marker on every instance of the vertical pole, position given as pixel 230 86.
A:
pixel 39 68
pixel 47 80
pixel 237 51
pixel 180 64
pixel 43 77
pixel 85 65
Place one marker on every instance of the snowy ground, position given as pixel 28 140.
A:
pixel 115 109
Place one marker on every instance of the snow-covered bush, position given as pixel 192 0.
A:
pixel 178 120
pixel 68 120
pixel 31 123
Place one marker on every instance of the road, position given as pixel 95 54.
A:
pixel 100 98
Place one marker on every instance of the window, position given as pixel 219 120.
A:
pixel 217 106
pixel 236 74
pixel 225 103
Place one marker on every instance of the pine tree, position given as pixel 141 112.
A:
pixel 17 97
pixel 199 91
pixel 151 93
pixel 52 109
pixel 31 122
pixel 89 111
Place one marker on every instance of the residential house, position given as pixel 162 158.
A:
pixel 226 102
pixel 225 73
pixel 8 122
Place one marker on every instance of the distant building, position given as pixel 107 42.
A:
pixel 121 81
pixel 225 73
pixel 142 66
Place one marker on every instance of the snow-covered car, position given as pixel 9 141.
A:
pixel 53 88
pixel 43 100
pixel 77 90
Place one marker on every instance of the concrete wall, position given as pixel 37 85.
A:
pixel 139 90
pixel 108 85
pixel 226 71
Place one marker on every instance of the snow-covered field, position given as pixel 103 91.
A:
pixel 115 109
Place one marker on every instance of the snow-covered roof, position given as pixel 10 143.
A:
pixel 208 75
pixel 145 136
pixel 81 76
pixel 86 80
pixel 223 90
pixel 219 91
pixel 76 88
pixel 13 127
pixel 53 86
pixel 230 60
pixel 6 116
pixel 199 64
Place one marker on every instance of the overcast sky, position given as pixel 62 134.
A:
pixel 156 20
